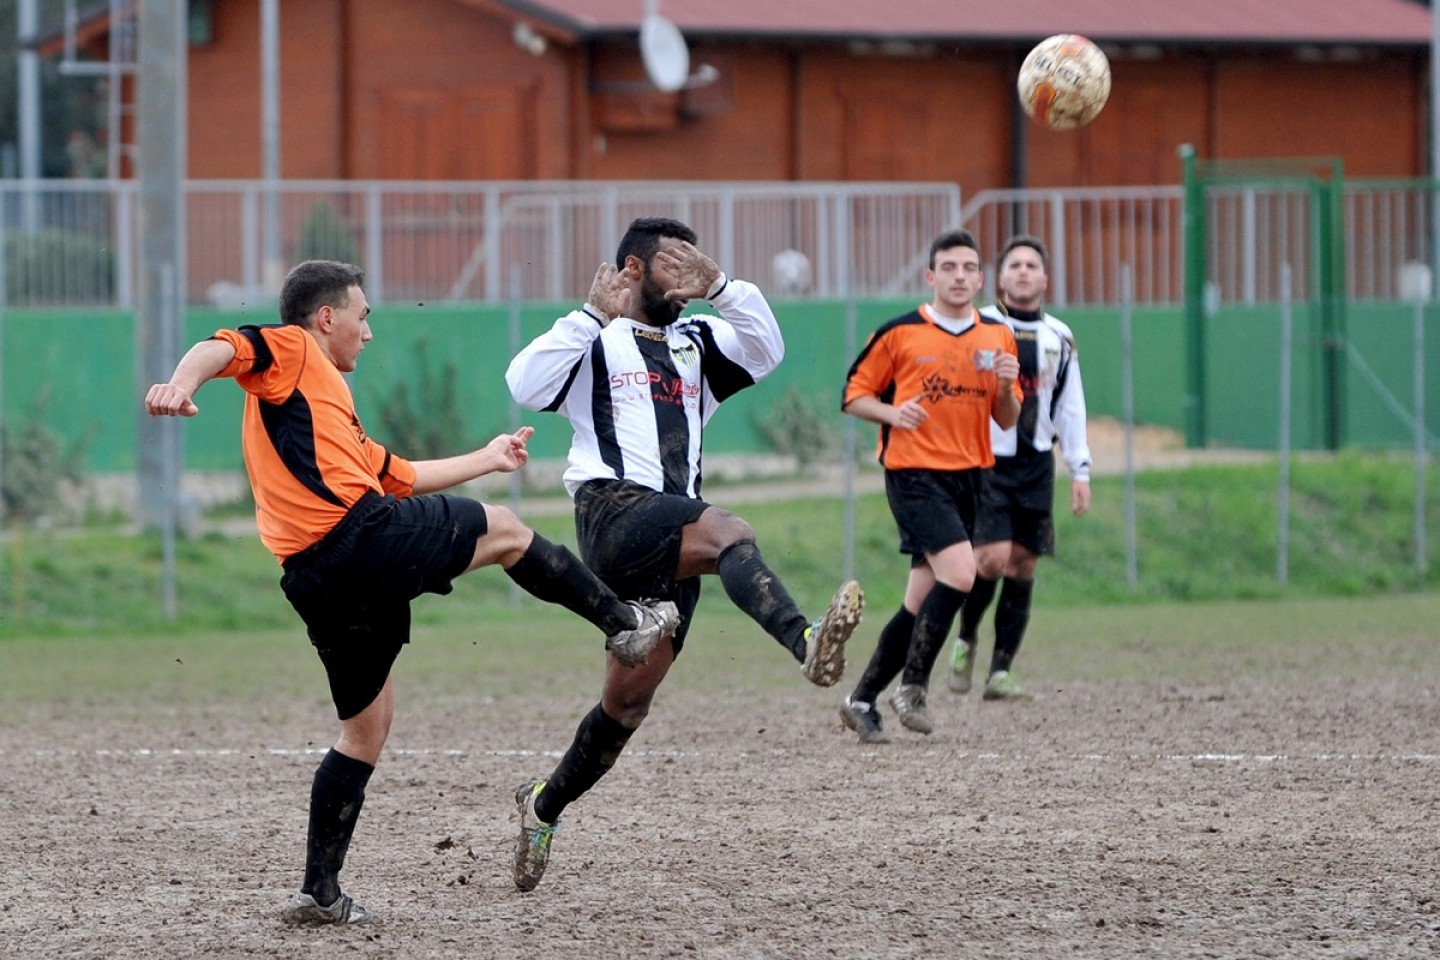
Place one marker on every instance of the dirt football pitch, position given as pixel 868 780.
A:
pixel 1177 790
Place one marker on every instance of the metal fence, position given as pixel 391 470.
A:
pixel 72 243
pixel 1089 234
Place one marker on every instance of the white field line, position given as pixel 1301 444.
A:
pixel 1100 758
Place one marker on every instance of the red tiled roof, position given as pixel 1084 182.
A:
pixel 1269 22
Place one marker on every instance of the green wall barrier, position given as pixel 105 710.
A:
pixel 77 368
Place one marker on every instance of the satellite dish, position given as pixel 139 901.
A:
pixel 667 59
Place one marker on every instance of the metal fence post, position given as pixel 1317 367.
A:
pixel 1127 405
pixel 1282 495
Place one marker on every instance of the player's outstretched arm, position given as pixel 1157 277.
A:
pixel 504 454
pixel 200 364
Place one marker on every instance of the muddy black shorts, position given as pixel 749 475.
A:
pixel 934 509
pixel 1017 504
pixel 353 588
pixel 629 535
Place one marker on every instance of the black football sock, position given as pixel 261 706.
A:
pixel 756 590
pixel 932 626
pixel 1012 615
pixel 336 797
pixel 888 659
pixel 552 573
pixel 975 606
pixel 597 745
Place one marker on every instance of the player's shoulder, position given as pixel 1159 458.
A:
pixel 912 319
pixel 1061 329
pixel 993 313
pixel 1058 325
pixel 271 340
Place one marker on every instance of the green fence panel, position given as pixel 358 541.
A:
pixel 78 369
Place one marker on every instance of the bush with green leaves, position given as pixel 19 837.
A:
pixel 37 468
pixel 796 427
pixel 324 235
pixel 58 266
pixel 421 416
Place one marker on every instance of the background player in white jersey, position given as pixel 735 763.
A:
pixel 1015 524
pixel 638 384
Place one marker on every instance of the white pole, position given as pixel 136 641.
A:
pixel 169 456
pixel 1415 281
pixel 1282 496
pixel 4 266
pixel 1421 563
pixel 272 266
pixel 848 428
pixel 1127 406
pixel 1435 135
pixel 516 595
pixel 27 66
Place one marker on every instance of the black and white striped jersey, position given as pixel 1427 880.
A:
pixel 638 397
pixel 1054 404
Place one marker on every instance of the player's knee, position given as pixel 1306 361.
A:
pixel 730 529
pixel 991 559
pixel 629 713
pixel 505 533
pixel 1020 564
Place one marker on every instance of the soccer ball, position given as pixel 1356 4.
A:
pixel 1064 81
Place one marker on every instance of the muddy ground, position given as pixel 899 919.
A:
pixel 1281 817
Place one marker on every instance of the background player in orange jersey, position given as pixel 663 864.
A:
pixel 359 539
pixel 932 379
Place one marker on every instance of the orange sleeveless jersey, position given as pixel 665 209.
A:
pixel 911 357
pixel 307 455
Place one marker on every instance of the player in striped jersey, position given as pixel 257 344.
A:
pixel 932 379
pixel 638 383
pixel 358 537
pixel 1016 524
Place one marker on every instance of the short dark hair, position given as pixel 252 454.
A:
pixel 314 284
pixel 642 238
pixel 952 238
pixel 1024 240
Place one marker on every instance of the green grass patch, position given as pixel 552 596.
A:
pixel 554 661
pixel 1203 534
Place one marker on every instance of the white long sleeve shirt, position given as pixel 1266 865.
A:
pixel 638 397
pixel 1054 404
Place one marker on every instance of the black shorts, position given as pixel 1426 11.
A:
pixel 934 509
pixel 353 588
pixel 1018 504
pixel 629 535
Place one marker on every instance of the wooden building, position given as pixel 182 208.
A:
pixel 890 90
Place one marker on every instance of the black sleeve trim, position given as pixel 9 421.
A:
pixel 263 356
pixel 554 405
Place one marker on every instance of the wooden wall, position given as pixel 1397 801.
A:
pixel 444 93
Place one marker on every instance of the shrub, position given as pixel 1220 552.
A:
pixel 325 236
pixel 58 266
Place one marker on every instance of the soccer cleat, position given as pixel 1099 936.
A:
pixel 909 703
pixel 962 666
pixel 864 719
pixel 303 911
pixel 1002 685
pixel 825 638
pixel 532 850
pixel 654 619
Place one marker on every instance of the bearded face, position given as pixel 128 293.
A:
pixel 655 310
